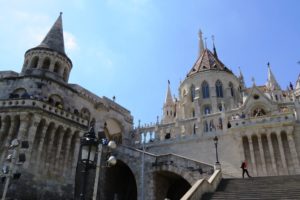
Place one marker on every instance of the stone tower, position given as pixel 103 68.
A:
pixel 49 59
pixel 169 108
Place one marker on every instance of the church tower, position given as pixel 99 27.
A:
pixel 49 59
pixel 169 108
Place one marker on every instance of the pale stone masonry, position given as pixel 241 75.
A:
pixel 259 124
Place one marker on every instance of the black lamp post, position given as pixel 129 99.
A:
pixel 216 145
pixel 88 149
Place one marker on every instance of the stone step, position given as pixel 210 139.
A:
pixel 279 187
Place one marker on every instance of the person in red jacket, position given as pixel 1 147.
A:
pixel 244 168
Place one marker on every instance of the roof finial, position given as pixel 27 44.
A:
pixel 215 51
pixel 201 46
pixel 60 13
pixel 205 42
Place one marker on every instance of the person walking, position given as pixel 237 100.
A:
pixel 244 168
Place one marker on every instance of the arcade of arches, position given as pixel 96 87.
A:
pixel 271 153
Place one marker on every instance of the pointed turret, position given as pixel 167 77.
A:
pixel 214 47
pixel 297 88
pixel 272 83
pixel 241 79
pixel 55 39
pixel 169 109
pixel 169 99
pixel 201 44
pixel 298 83
pixel 49 58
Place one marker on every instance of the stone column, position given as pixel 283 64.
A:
pixel 40 145
pixel 75 156
pixel 31 135
pixel 252 156
pixel 58 149
pixel 11 130
pixel 262 155
pixel 66 156
pixel 272 154
pixel 293 152
pixel 48 150
pixel 282 155
pixel 7 140
pixel 24 125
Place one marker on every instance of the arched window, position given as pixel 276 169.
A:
pixel 205 90
pixel 56 67
pixel 207 109
pixel 258 112
pixel 220 107
pixel 34 62
pixel 231 89
pixel 194 129
pixel 220 125
pixel 192 93
pixel 219 89
pixel 193 113
pixel 46 64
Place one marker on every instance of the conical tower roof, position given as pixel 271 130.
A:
pixel 208 61
pixel 54 39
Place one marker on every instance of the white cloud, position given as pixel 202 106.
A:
pixel 70 42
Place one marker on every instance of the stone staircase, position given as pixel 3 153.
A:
pixel 266 188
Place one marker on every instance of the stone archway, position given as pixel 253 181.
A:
pixel 118 183
pixel 113 130
pixel 169 185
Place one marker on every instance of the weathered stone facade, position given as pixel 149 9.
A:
pixel 39 105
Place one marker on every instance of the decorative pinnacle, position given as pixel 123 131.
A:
pixel 60 13
pixel 200 34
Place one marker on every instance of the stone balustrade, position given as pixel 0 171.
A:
pixel 32 103
pixel 263 120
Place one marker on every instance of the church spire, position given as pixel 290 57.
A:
pixel 55 39
pixel 272 83
pixel 241 78
pixel 214 47
pixel 201 44
pixel 169 99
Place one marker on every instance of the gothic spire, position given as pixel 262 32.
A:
pixel 169 99
pixel 55 39
pixel 272 83
pixel 201 44
pixel 214 47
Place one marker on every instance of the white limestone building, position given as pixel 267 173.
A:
pixel 259 124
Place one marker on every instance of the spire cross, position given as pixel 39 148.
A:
pixel 213 38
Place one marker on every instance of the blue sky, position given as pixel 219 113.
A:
pixel 130 48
